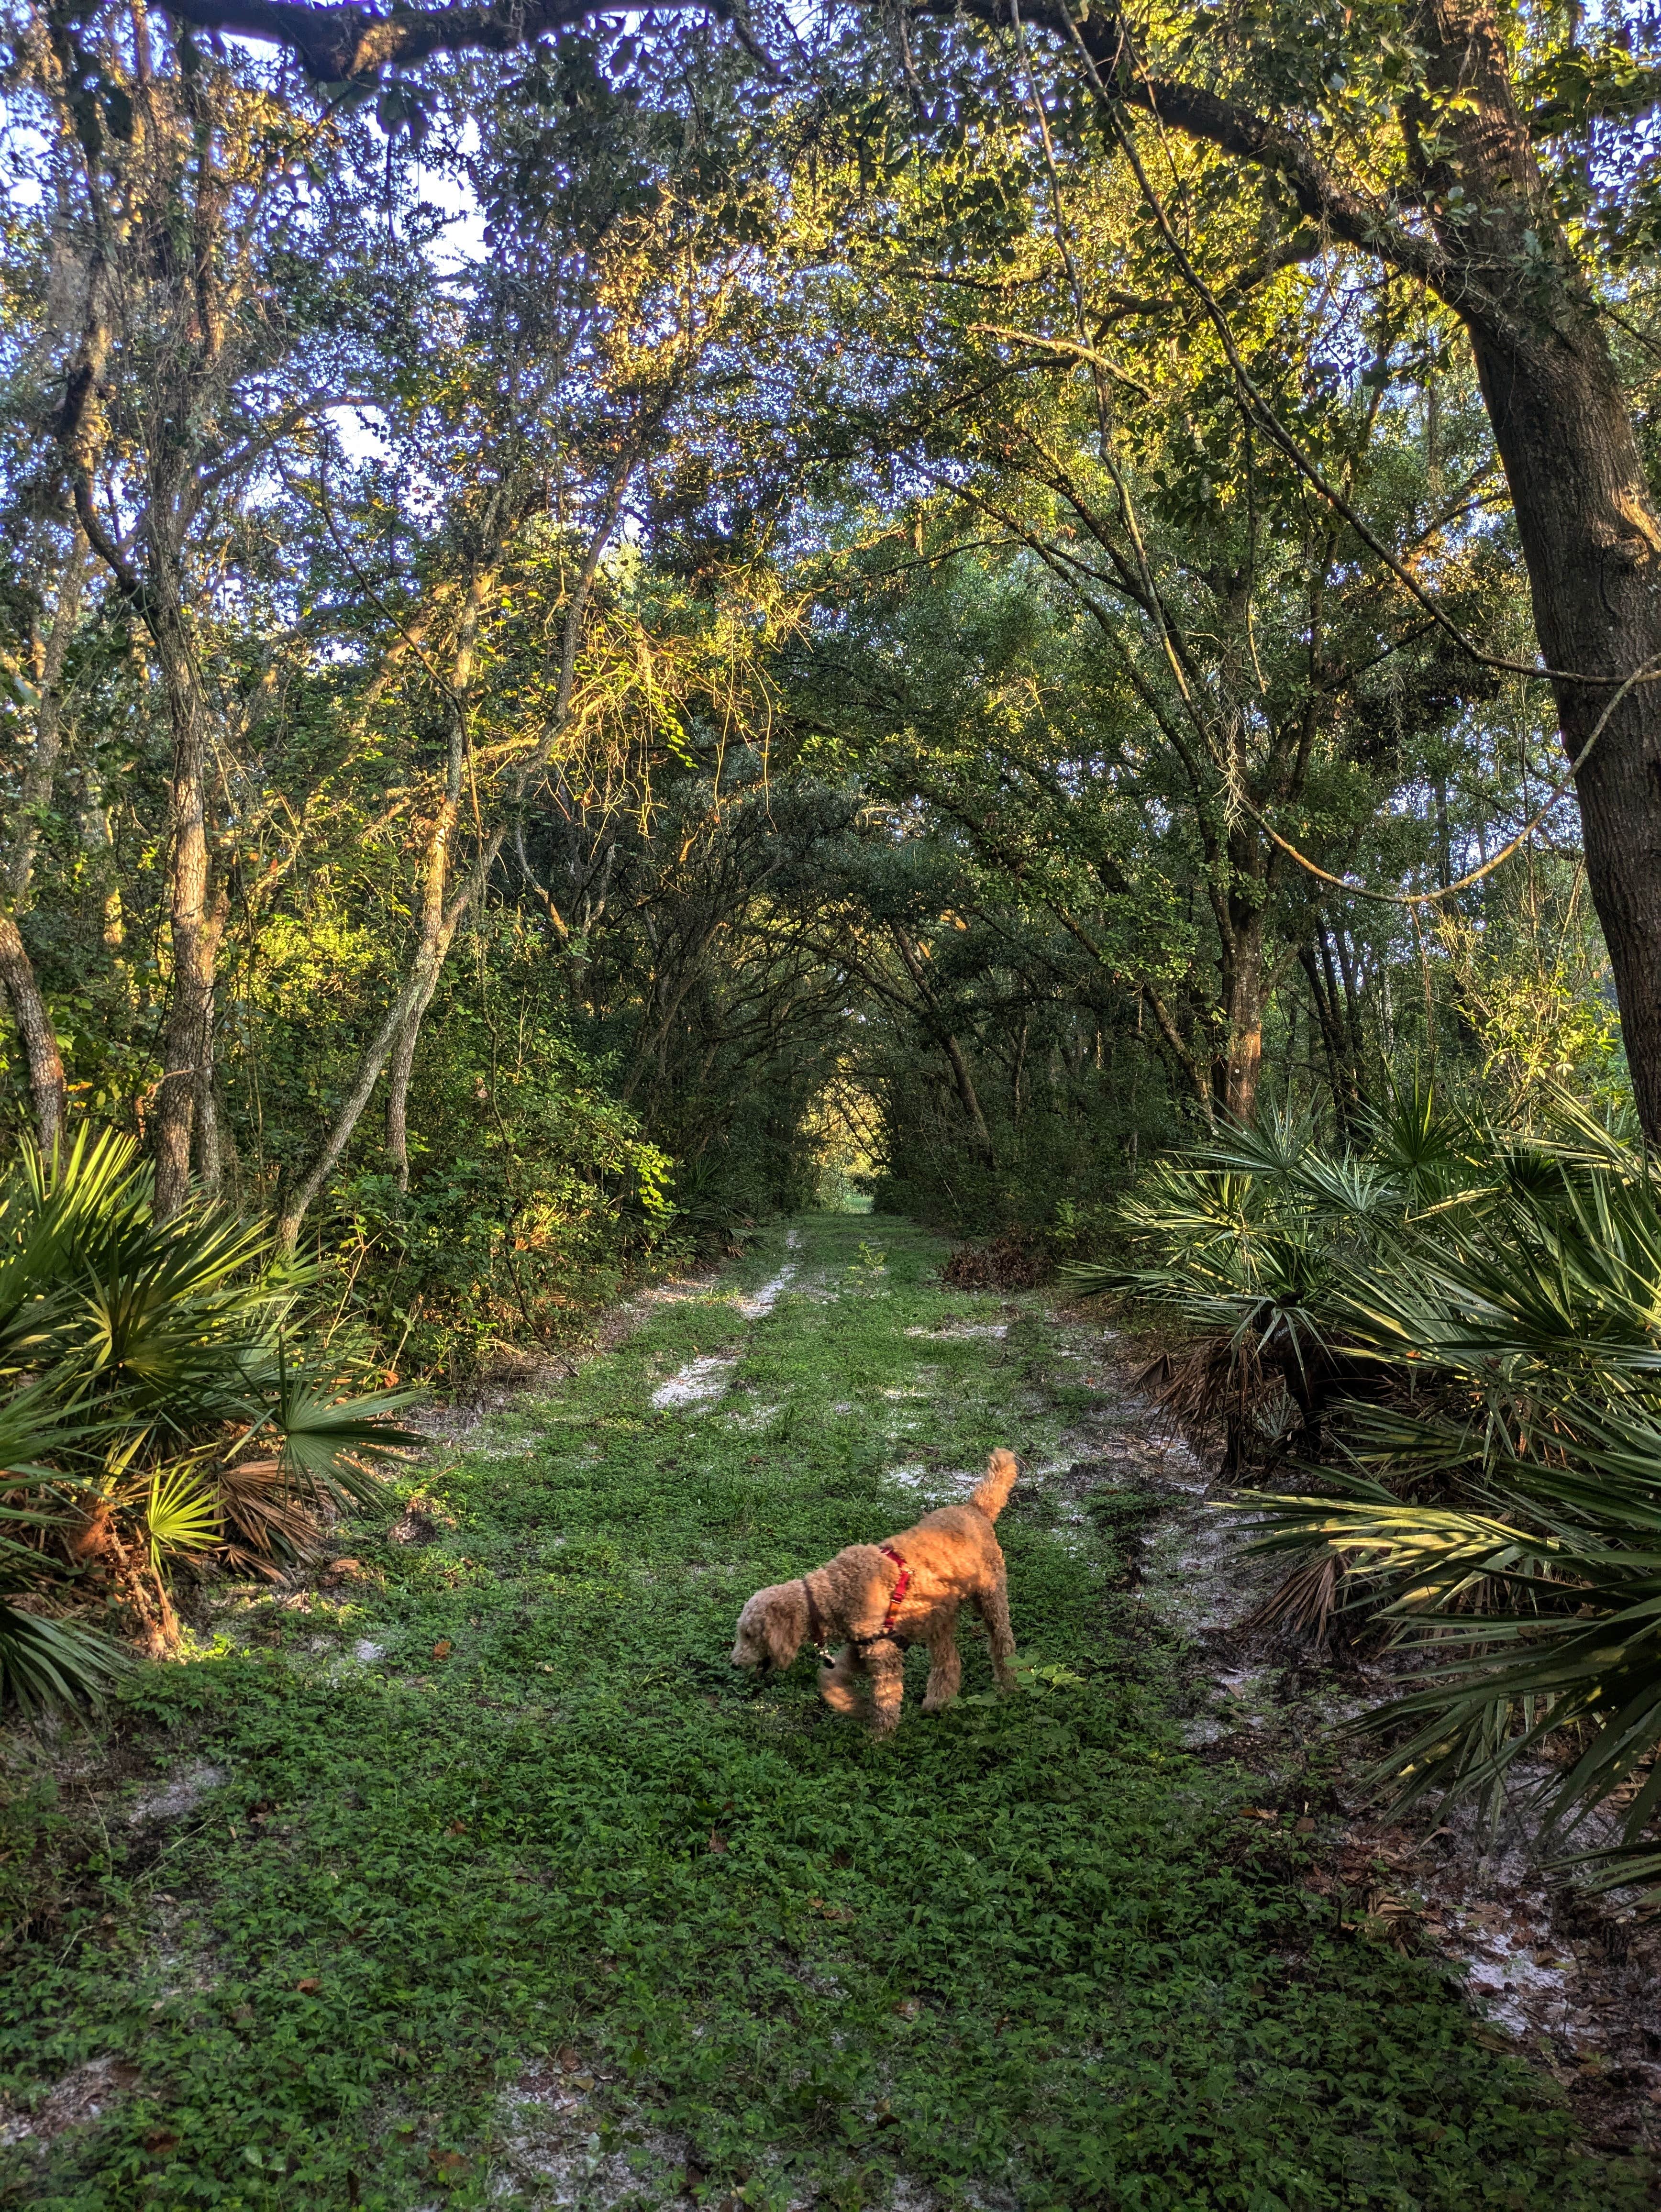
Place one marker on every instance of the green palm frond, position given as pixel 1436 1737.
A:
pixel 1540 1613
pixel 323 1436
pixel 55 1663
pixel 181 1513
pixel 1431 1155
pixel 1497 1506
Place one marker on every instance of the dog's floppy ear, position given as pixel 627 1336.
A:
pixel 784 1623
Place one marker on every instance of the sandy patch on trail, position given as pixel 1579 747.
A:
pixel 460 1423
pixel 80 2098
pixel 181 1793
pixel 754 1304
pixel 549 2145
pixel 699 1384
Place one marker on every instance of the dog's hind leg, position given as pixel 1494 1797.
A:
pixel 944 1667
pixel 839 1686
pixel 993 1605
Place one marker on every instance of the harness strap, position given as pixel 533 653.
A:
pixel 896 1599
pixel 815 1622
pixel 902 1583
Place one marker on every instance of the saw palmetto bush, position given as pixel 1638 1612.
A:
pixel 162 1408
pixel 1469 1321
pixel 1251 1243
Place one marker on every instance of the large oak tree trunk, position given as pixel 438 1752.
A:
pixel 1242 1063
pixel 1589 525
pixel 1592 540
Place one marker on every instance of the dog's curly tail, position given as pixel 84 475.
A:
pixel 992 1493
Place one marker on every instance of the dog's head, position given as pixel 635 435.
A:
pixel 771 1626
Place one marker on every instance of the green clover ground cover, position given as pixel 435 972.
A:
pixel 1026 1954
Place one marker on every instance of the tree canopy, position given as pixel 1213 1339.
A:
pixel 601 613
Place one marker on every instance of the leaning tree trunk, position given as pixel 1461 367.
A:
pixel 437 878
pixel 47 1089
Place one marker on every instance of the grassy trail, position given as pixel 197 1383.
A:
pixel 489 1882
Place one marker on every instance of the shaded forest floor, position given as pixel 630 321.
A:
pixel 474 1874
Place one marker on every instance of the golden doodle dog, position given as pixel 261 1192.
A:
pixel 873 1600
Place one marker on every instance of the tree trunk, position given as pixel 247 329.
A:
pixel 99 846
pixel 1238 1068
pixel 42 772
pixel 962 1080
pixel 1242 1064
pixel 415 994
pixel 208 1142
pixel 47 1088
pixel 1592 541
pixel 1323 994
pixel 437 877
pixel 195 933
pixel 968 1095
pixel 1589 526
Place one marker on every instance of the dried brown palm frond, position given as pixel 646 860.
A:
pixel 267 1527
pixel 1188 1385
pixel 1304 1605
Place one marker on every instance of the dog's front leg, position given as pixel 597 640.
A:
pixel 886 1668
pixel 839 1684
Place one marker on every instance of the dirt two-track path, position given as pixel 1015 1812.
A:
pixel 468 1871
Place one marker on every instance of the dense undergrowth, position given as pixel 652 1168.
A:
pixel 540 1834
